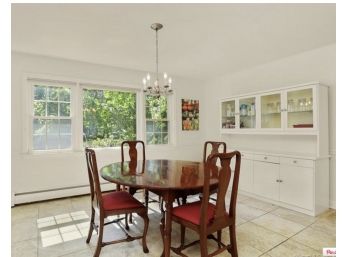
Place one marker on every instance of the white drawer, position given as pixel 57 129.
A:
pixel 248 156
pixel 266 158
pixel 297 162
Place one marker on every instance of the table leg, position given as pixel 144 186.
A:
pixel 168 198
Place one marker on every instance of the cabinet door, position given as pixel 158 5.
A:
pixel 246 175
pixel 266 175
pixel 296 186
pixel 271 111
pixel 247 113
pixel 300 108
pixel 228 114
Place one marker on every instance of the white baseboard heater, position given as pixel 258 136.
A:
pixel 41 195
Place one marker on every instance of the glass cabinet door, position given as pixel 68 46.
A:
pixel 247 113
pixel 300 108
pixel 270 111
pixel 228 114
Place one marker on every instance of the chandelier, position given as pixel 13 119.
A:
pixel 157 87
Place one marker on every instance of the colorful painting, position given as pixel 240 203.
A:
pixel 190 114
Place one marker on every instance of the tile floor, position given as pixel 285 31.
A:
pixel 59 228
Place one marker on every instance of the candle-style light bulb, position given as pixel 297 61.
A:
pixel 170 80
pixel 165 75
pixel 144 81
pixel 148 76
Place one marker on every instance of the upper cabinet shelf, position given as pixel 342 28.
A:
pixel 291 110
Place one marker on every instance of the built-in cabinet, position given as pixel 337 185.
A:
pixel 301 184
pixel 298 180
pixel 288 110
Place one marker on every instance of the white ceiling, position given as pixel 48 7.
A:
pixel 198 40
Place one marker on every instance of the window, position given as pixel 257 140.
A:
pixel 51 117
pixel 156 109
pixel 109 117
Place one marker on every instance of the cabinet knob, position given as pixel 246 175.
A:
pixel 280 181
pixel 294 161
pixel 265 158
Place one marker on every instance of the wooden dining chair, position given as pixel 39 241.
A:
pixel 215 147
pixel 110 204
pixel 206 218
pixel 133 156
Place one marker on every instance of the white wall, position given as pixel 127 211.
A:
pixel 315 65
pixel 36 172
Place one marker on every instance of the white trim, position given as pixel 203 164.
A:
pixel 304 85
pixel 59 193
pixel 333 204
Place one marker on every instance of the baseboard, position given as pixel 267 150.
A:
pixel 36 196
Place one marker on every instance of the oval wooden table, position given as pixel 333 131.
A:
pixel 167 178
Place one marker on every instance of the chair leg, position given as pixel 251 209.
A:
pixel 184 199
pixel 146 226
pixel 182 235
pixel 233 241
pixel 146 195
pixel 204 245
pixel 219 238
pixel 90 227
pixel 130 218
pixel 126 221
pixel 100 236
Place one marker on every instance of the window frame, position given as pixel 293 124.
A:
pixel 94 86
pixel 169 123
pixel 76 110
pixel 31 82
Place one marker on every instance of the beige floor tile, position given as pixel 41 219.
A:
pixel 259 204
pixel 315 239
pixel 61 248
pixel 26 248
pixel 326 223
pixel 294 216
pixel 241 197
pixel 292 248
pixel 84 253
pixel 24 229
pixel 26 211
pixel 247 212
pixel 55 207
pixel 279 225
pixel 258 237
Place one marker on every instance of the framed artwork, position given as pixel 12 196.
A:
pixel 190 114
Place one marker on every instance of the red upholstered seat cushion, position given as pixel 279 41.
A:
pixel 120 200
pixel 192 212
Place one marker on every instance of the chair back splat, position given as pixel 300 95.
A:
pixel 215 146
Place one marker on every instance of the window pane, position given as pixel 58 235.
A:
pixel 148 113
pixel 158 138
pixel 64 109
pixel 109 117
pixel 64 94
pixel 158 126
pixel 52 141
pixel 149 126
pixel 53 93
pixel 65 127
pixel 149 138
pixel 164 126
pixel 65 141
pixel 164 138
pixel 39 92
pixel 52 127
pixel 39 108
pixel 39 127
pixel 52 109
pixel 39 142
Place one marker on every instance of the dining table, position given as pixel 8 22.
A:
pixel 169 179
